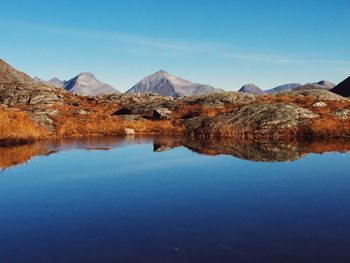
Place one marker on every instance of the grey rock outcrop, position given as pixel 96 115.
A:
pixel 271 120
pixel 161 114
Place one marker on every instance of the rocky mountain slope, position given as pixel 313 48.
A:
pixel 166 84
pixel 343 88
pixel 8 74
pixel 86 84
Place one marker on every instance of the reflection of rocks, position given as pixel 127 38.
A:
pixel 162 144
pixel 260 151
pixel 266 151
pixel 254 151
pixel 20 154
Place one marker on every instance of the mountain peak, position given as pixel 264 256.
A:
pixel 86 84
pixel 327 84
pixel 252 89
pixel 166 84
pixel 86 75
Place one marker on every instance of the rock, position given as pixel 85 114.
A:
pixel 320 104
pixel 343 114
pixel 161 114
pixel 82 112
pixel 42 119
pixel 130 117
pixel 258 120
pixel 129 131
pixel 53 112
pixel 317 94
pixel 43 97
pixel 122 111
pixel 221 99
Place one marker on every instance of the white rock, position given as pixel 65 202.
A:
pixel 320 104
pixel 129 131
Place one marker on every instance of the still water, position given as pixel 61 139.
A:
pixel 168 200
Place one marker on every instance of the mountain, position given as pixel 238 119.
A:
pixel 326 84
pixel 284 87
pixel 54 81
pixel 86 84
pixel 323 84
pixel 252 89
pixel 9 74
pixel 166 84
pixel 343 88
pixel 57 82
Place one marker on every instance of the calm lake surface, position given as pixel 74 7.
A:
pixel 142 200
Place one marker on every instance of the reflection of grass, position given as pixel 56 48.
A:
pixel 262 151
pixel 16 155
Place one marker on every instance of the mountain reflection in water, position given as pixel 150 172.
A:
pixel 258 151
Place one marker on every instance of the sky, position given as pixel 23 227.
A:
pixel 222 43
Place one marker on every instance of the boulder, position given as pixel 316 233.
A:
pixel 343 114
pixel 257 120
pixel 161 114
pixel 320 104
pixel 42 97
pixel 129 131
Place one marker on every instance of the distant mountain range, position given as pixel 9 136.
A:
pixel 84 84
pixel 253 89
pixel 161 83
pixel 284 87
pixel 166 84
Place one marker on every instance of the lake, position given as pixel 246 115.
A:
pixel 167 200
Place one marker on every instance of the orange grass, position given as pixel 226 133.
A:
pixel 16 126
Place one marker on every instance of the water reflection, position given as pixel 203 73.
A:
pixel 259 151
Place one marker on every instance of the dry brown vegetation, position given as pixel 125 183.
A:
pixel 98 119
pixel 17 127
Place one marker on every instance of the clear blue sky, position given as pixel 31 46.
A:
pixel 222 43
